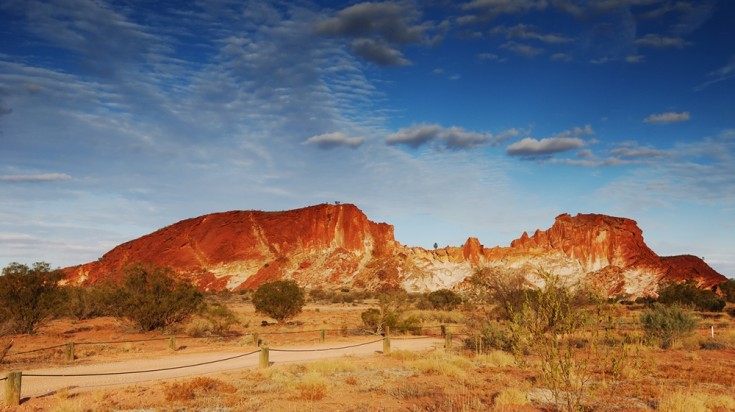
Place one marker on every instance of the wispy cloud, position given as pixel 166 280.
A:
pixel 668 117
pixel 658 41
pixel 725 72
pixel 523 50
pixel 528 32
pixel 35 178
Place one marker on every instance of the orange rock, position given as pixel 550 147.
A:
pixel 333 246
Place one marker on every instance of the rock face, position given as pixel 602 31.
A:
pixel 333 246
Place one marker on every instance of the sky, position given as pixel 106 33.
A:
pixel 446 119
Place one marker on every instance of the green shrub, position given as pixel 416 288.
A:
pixel 688 294
pixel 152 299
pixel 666 324
pixel 280 300
pixel 221 318
pixel 728 290
pixel 29 295
pixel 444 299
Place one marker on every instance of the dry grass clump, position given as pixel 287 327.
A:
pixel 331 366
pixel 403 355
pixel 695 402
pixel 510 397
pixel 312 387
pixel 496 359
pixel 437 316
pixel 444 364
pixel 188 390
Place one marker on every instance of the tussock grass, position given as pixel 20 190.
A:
pixel 312 387
pixel 496 359
pixel 442 363
pixel 68 406
pixel 403 355
pixel 331 366
pixel 695 402
pixel 437 316
pixel 188 390
pixel 510 397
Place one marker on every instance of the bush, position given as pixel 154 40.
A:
pixel 444 299
pixel 221 317
pixel 79 302
pixel 688 294
pixel 280 300
pixel 666 324
pixel 728 290
pixel 29 295
pixel 152 299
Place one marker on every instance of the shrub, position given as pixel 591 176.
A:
pixel 221 317
pixel 28 295
pixel 444 299
pixel 728 290
pixel 81 303
pixel 151 298
pixel 280 300
pixel 666 324
pixel 688 294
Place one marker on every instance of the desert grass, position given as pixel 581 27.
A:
pixel 331 366
pixel 437 316
pixel 444 364
pixel 312 387
pixel 496 359
pixel 680 401
pixel 510 397
pixel 190 389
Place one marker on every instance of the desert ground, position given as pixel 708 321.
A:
pixel 418 374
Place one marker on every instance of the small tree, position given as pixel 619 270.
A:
pixel 666 324
pixel 28 294
pixel 280 300
pixel 444 299
pixel 151 297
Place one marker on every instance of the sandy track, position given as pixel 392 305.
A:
pixel 208 363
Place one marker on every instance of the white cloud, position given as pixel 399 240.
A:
pixel 635 58
pixel 530 147
pixel 660 42
pixel 333 140
pixel 378 52
pixel 560 57
pixel 528 32
pixel 524 50
pixel 668 117
pixel 414 136
pixel 42 177
pixel 459 138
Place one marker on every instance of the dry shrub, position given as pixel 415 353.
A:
pixel 331 366
pixel 510 397
pixel 198 328
pixel 188 390
pixel 312 387
pixel 351 380
pixel 496 359
pixel 68 405
pixel 695 402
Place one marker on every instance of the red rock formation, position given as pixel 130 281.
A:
pixel 336 246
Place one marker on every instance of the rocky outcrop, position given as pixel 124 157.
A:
pixel 335 246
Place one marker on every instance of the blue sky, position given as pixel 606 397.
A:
pixel 480 118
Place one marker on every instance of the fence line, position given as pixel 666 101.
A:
pixel 325 349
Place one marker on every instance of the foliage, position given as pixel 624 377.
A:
pixel 666 324
pixel 79 302
pixel 728 290
pixel 152 299
pixel 29 295
pixel 688 294
pixel 507 291
pixel 545 324
pixel 281 300
pixel 221 318
pixel 444 299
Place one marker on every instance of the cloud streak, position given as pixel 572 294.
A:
pixel 668 117
pixel 35 178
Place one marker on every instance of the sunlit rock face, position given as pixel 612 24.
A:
pixel 336 246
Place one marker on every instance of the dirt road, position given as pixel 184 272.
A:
pixel 180 365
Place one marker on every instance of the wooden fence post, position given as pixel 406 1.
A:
pixel 387 330
pixel 386 345
pixel 448 341
pixel 172 343
pixel 12 389
pixel 264 357
pixel 323 336
pixel 444 330
pixel 256 340
pixel 69 352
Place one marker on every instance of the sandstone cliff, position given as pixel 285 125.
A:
pixel 334 246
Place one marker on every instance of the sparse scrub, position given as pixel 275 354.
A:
pixel 665 325
pixel 444 299
pixel 221 318
pixel 496 359
pixel 442 363
pixel 331 366
pixel 688 294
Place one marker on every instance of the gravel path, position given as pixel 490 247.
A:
pixel 208 363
